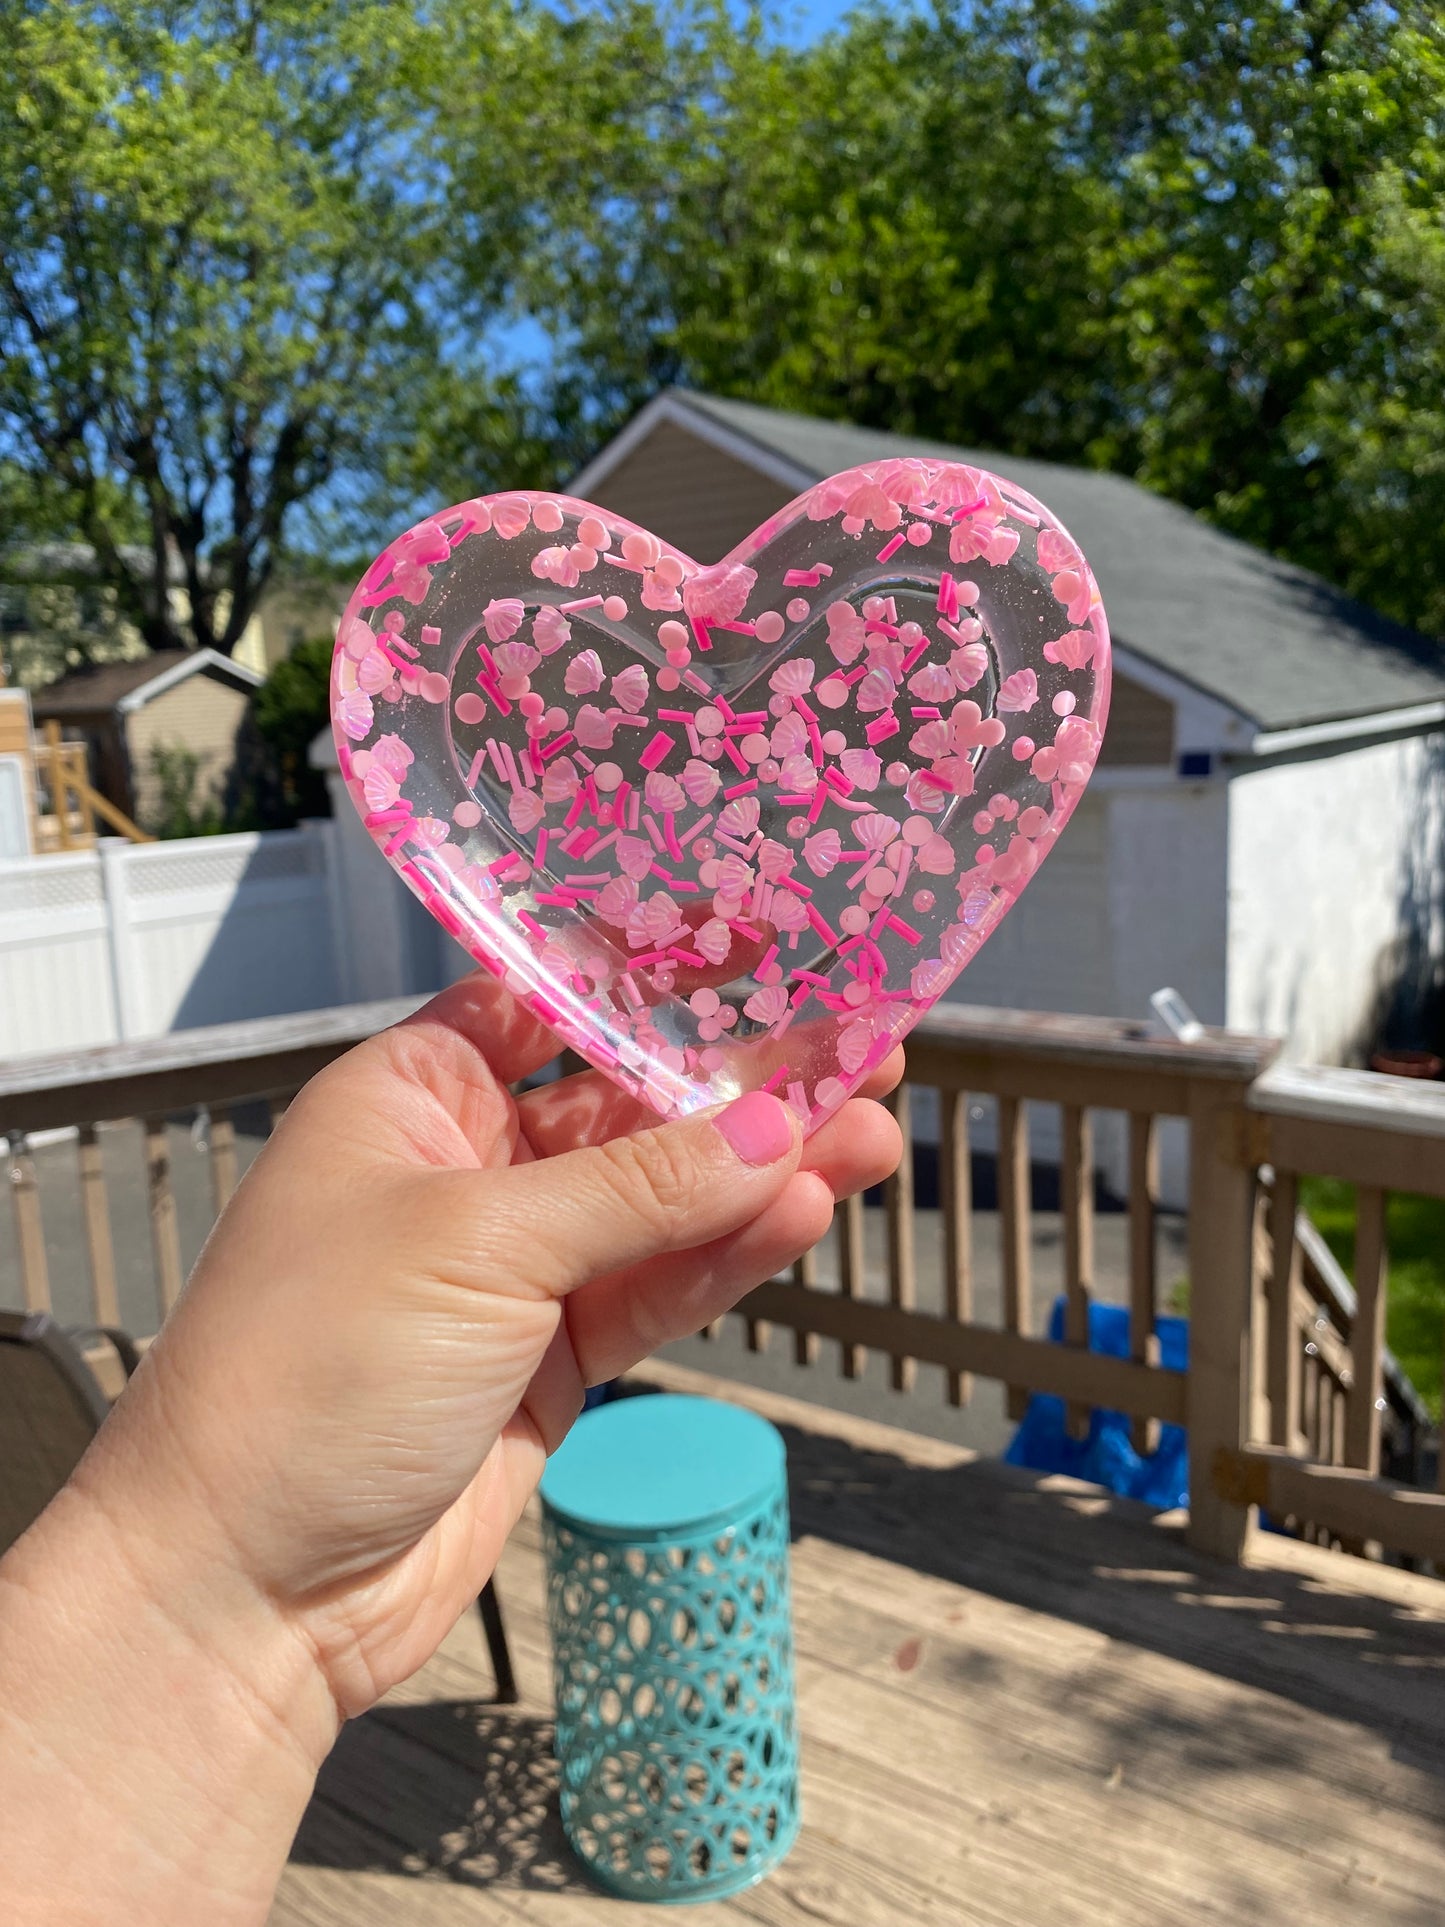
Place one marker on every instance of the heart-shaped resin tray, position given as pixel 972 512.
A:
pixel 731 826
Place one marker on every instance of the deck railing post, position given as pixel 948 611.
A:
pixel 1222 1277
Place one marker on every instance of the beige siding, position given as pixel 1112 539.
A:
pixel 201 714
pixel 692 495
pixel 1141 727
pixel 14 722
pixel 295 612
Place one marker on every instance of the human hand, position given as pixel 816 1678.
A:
pixel 317 1464
pixel 396 1317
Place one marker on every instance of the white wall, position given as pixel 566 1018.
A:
pixel 1336 892
pixel 132 940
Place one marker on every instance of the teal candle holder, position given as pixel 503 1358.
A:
pixel 666 1522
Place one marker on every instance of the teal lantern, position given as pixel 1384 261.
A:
pixel 667 1595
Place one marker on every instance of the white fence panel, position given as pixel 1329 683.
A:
pixel 135 940
pixel 213 929
pixel 57 987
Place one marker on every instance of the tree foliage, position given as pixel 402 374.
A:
pixel 215 253
pixel 274 271
pixel 1192 240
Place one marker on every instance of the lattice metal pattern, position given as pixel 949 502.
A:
pixel 676 1728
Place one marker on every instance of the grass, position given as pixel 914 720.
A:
pixel 1415 1296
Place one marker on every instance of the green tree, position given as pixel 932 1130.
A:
pixel 217 255
pixel 293 706
pixel 1195 241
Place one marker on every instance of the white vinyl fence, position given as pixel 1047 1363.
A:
pixel 131 940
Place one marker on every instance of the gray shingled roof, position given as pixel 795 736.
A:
pixel 1274 642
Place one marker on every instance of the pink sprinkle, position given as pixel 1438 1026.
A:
pixel 557 743
pixel 654 830
pixel 502 863
pixel 658 750
pixel 767 961
pixel 882 727
pixel 695 829
pixel 890 549
pixel 815 743
pixel 798 1098
pixel 802 578
pixel 630 990
pixel 585 602
pixel 406 648
pixel 674 716
pixel 699 688
pixel 854 675
pixel 741 789
pixel 700 634
pixel 476 769
pixel 562 899
pixel 687 956
pixel 953 634
pixel 724 709
pixel 738 628
pixel 669 830
pixel 820 797
pixel 587 876
pixel 736 757
pixel 736 923
pixel 619 801
pixel 924 710
pixel 734 843
pixel 621 562
pixel 620 717
pixel 378 819
pixel 811 977
pixel 835 779
pixel 805 710
pixel 511 762
pixel 877 628
pixel 634 804
pixel 905 930
pixel 569 821
pixel 947 603
pixel 914 653
pixel 782 1071
pixel 792 883
pixel 649 957
pixel 823 928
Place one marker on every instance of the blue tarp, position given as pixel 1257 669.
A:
pixel 1106 1457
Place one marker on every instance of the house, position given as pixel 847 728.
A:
pixel 54 606
pixel 1267 825
pixel 193 700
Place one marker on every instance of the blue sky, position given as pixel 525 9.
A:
pixel 807 18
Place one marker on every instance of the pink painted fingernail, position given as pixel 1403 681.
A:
pixel 757 1127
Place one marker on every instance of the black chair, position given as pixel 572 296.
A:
pixel 52 1406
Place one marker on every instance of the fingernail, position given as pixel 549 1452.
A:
pixel 757 1128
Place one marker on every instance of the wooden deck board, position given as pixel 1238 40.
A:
pixel 1023 1705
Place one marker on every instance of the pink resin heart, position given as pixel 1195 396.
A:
pixel 734 826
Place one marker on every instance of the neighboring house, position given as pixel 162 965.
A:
pixel 193 700
pixel 1267 825
pixel 50 595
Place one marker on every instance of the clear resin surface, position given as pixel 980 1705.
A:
pixel 729 826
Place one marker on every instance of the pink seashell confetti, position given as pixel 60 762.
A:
pixel 698 783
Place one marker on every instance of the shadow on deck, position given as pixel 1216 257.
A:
pixel 1023 1703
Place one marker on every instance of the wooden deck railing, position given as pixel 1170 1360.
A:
pixel 1285 1395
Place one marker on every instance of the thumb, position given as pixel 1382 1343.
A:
pixel 585 1213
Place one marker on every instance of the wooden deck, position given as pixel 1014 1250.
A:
pixel 1024 1704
